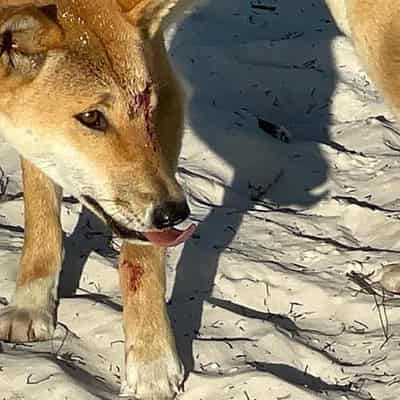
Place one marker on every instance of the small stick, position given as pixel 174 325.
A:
pixel 29 380
pixel 263 7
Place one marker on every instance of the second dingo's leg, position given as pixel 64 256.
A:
pixel 153 368
pixel 31 315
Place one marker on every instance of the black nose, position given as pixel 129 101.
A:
pixel 170 213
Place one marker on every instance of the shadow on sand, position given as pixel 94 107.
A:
pixel 244 63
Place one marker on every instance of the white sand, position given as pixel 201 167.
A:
pixel 263 307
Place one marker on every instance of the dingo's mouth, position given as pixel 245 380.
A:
pixel 166 238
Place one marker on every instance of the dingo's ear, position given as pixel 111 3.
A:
pixel 26 35
pixel 150 15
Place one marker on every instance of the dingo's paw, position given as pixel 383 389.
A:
pixel 160 379
pixel 19 325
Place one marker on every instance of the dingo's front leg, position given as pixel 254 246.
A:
pixel 31 314
pixel 153 368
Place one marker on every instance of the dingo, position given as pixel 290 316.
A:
pixel 374 29
pixel 89 100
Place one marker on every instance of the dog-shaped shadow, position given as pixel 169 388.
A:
pixel 241 76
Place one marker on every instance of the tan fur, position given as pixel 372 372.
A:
pixel 374 28
pixel 31 315
pixel 42 199
pixel 142 271
pixel 106 55
pixel 148 334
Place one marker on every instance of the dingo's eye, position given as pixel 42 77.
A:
pixel 93 119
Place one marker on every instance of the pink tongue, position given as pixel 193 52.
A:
pixel 171 237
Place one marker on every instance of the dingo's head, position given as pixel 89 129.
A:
pixel 87 95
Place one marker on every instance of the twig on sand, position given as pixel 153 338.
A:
pixel 382 120
pixel 365 284
pixel 263 7
pixel 385 123
pixel 246 394
pixel 276 131
pixel 4 301
pixel 68 333
pixel 30 381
